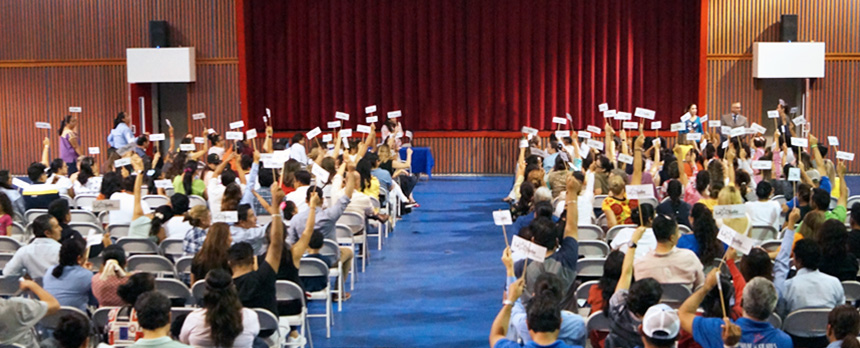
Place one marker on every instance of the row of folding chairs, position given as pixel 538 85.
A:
pixel 85 201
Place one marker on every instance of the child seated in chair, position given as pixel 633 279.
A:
pixel 313 284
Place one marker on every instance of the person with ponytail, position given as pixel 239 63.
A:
pixel 70 144
pixel 121 134
pixel 189 183
pixel 69 281
pixel 148 225
pixel 222 322
pixel 703 241
pixel 199 218
pixel 648 241
pixel 14 195
pixel 86 180
pixel 58 175
pixel 843 327
pixel 676 206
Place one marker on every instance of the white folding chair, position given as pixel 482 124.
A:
pixel 155 201
pixel 118 231
pixel 355 221
pixel 69 199
pixel 598 201
pixel 31 214
pixel 763 232
pixel 84 228
pixel 834 202
pixel 9 245
pixel 156 264
pixel 346 238
pixel 268 321
pixel 674 294
pixel 173 288
pixel 19 232
pixel 172 248
pixel 852 200
pixel 50 322
pixel 317 268
pixel 4 259
pixel 597 321
pixel 79 215
pixel 101 317
pixel 851 288
pixel 775 320
pixel 198 290
pixel 650 200
pixel 614 231
pixel 379 225
pixel 810 322
pixel 330 249
pixel 684 229
pixel 593 248
pixel 771 245
pixel 85 201
pixel 582 292
pixel 602 222
pixel 183 265
pixel 590 267
pixel 137 245
pixel 288 291
pixel 590 232
pixel 194 200
pixel 104 217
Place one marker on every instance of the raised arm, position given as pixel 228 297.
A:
pixel 624 149
pixel 407 163
pixel 276 246
pixel 816 155
pixel 138 208
pixel 609 143
pixel 627 266
pixel 221 166
pixel 571 227
pixel 371 138
pixel 248 194
pixel 500 325
pixel 46 149
pixel 42 294
pixel 687 312
pixel 638 150
pixel 843 187
pixel 298 249
pixel 267 144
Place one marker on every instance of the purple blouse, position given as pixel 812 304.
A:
pixel 67 152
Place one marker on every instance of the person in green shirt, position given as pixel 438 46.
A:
pixel 187 182
pixel 153 315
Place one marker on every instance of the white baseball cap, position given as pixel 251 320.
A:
pixel 661 322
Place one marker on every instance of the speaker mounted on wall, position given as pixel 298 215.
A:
pixel 159 35
pixel 788 28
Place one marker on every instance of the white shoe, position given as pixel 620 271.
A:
pixel 298 341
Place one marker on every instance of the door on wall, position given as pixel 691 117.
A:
pixel 789 90
pixel 172 105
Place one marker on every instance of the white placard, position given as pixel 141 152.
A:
pixel 758 128
pixel 106 205
pixel 198 116
pixel 738 241
pixel 569 118
pixel 233 135
pixel 371 119
pixel 624 116
pixel 678 127
pixel 320 174
pixel 345 143
pixel 156 137
pixel 229 217
pixel 395 114
pixel 738 131
pixel 584 149
pixel 625 158
pixel 730 211
pixel 199 140
pixel 846 156
pixel 686 117
pixel 341 116
pixel 166 183
pixel 559 134
pixel 269 112
pixel 281 156
pixel 75 109
pixel 187 147
pixel 725 130
pixel 595 144
pixel 251 133
pixel 794 174
pixel 559 120
pixel 530 250
pixel 529 130
pixel 122 162
pixel 762 165
pixel 210 131
pixel 799 142
pixel 644 113
pixel 639 191
pixel 409 134
pixel 94 150
pixel 603 107
pixel 630 125
pixel 313 133
pixel 656 125
pixel 168 123
pixel 524 144
pixel 43 125
pixel 333 124
pixel 833 141
pixel 694 136
pixel 703 119
pixel 326 138
pixel 799 120
pixel 725 144
pixel 346 132
pixel 271 163
pixel 594 129
pixel 793 110
pixel 502 217
pixel 715 123
pixel 362 129
pixel 772 114
pixel 398 135
pixel 610 113
pixel 583 134
pixel 237 124
pixel 370 109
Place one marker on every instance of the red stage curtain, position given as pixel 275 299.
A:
pixel 469 64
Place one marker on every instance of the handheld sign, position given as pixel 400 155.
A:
pixel 694 136
pixel 43 125
pixel 226 217
pixel 714 124
pixel 168 123
pixel 583 134
pixel 762 165
pixel 530 130
pixel 271 163
pixel 371 119
pixel 703 119
pixel 321 175
pixel 799 120
pixel 678 127
pixel 584 149
pixel 845 156
pixel 251 133
pixel 395 114
pixel 799 142
pixel 187 147
pixel 210 131
pixel 793 110
pixel 198 116
pixel 326 137
pixel 94 150
pixel 603 107
pixel 341 116
pixel 595 144
pixel 730 211
pixel 625 158
pixel 725 144
pixel 594 129
pixel 794 174
pixel 644 113
pixel 738 131
pixel 833 141
pixel 530 250
pixel 559 120
pixel 639 191
pixel 166 183
pixel 758 128
pixel 738 241
pixel 563 134
pixel 237 124
pixel 75 109
pixel 772 114
pixel 686 117
pixel 399 135
pixel 346 133
pixel 524 144
pixel 725 130
pixel 370 109
pixel 106 205
pixel 269 112
pixel 199 140
pixel 345 143
pixel 624 116
pixel 362 129
pixel 334 124
pixel 630 125
pixel 233 135
pixel 156 137
pixel 409 134
pixel 502 217
pixel 313 133
pixel 122 162
pixel 569 118
pixel 281 156
pixel 609 113
pixel 656 125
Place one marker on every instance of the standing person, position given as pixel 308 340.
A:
pixel 21 314
pixel 297 149
pixel 694 123
pixel 735 119
pixel 70 144
pixel 121 134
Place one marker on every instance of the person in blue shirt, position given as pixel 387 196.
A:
pixel 759 300
pixel 121 134
pixel 69 282
pixel 843 327
pixel 543 320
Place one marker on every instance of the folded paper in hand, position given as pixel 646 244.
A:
pixel 502 217
pixel 530 250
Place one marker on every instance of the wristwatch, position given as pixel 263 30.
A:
pixel 507 302
pixel 630 244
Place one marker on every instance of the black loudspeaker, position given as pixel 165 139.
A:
pixel 159 34
pixel 788 28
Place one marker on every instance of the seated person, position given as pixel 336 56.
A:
pixel 199 218
pixel 543 320
pixel 43 252
pixel 667 264
pixel 648 241
pixel 843 327
pixel 39 195
pixel 122 327
pixel 22 314
pixel 153 316
pixel 222 322
pixel 313 284
pixel 660 327
pixel 247 231
pixel 69 281
pixel 213 253
pixel 72 332
pixel 810 288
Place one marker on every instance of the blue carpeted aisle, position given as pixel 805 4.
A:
pixel 438 280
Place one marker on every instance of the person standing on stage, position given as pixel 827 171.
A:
pixel 735 119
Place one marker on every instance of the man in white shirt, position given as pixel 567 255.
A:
pixel 35 258
pixel 810 288
pixel 126 203
pixel 302 182
pixel 297 149
pixel 764 212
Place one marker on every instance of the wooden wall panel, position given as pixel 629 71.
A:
pixel 217 94
pixel 835 101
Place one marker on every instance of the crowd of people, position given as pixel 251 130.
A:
pixel 708 181
pixel 302 186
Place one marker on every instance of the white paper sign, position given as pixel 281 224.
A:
pixel 370 109
pixel 609 113
pixel 199 140
pixel 74 109
pixel 762 165
pixel 594 129
pixel 187 147
pixel 799 120
pixel 166 183
pixel 320 174
pixel 625 158
pixel 281 156
pixel 210 131
pixel 530 130
pixel 371 119
pixel 629 125
pixel 656 125
pixel 395 114
pixel 43 125
pixel 725 144
pixel 583 134
pixel 621 115
pixel 563 134
pixel 738 131
pixel 156 137
pixel 122 162
pixel 799 142
pixel 559 120
pixel 794 174
pixel 694 136
pixel 341 116
pixel 595 144
pixel 237 124
pixel 326 138
pixel 678 127
pixel 639 191
pixel 792 110
pixel 726 130
pixel 716 123
pixel 584 150
pixel 686 117
pixel 502 217
pixel 524 143
pixel 730 211
pixel 846 156
pixel 833 141
pixel 106 205
pixel 738 241
pixel 530 250
pixel 603 107
pixel 198 116
pixel 271 163
pixel 569 118
pixel 346 133
pixel 399 135
pixel 758 128
pixel 168 123
pixel 314 132
pixel 703 119
pixel 94 150
pixel 251 134
pixel 362 129
pixel 333 124
pixel 269 112
pixel 644 113
pixel 233 135
pixel 772 114
pixel 409 134
pixel 229 217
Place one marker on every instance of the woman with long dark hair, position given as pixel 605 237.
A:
pixel 14 195
pixel 835 259
pixel 6 214
pixel 222 322
pixel 843 327
pixel 676 206
pixel 213 253
pixel 69 281
pixel 58 175
pixel 703 241
pixel 86 180
pixel 189 183
pixel 368 184
pixel 121 134
pixel 111 183
pixel 70 144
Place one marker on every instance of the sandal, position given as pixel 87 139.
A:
pixel 336 297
